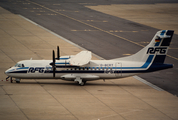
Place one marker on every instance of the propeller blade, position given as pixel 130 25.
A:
pixel 54 71
pixel 54 58
pixel 54 66
pixel 58 53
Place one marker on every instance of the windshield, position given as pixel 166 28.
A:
pixel 19 65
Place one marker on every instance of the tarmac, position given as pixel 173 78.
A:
pixel 119 99
pixel 161 16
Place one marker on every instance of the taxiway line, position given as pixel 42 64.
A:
pixel 60 36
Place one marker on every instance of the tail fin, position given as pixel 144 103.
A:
pixel 155 52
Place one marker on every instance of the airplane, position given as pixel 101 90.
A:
pixel 80 68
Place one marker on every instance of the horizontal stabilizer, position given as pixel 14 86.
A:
pixel 81 58
pixel 164 36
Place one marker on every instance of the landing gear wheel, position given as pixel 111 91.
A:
pixel 17 81
pixel 82 83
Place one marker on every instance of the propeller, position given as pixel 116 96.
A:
pixel 54 61
pixel 53 64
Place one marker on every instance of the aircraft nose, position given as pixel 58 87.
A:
pixel 7 72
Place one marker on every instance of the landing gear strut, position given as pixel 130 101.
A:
pixel 80 81
pixel 11 80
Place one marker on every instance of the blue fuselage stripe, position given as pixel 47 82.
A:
pixel 147 63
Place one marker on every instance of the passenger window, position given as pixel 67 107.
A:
pixel 23 65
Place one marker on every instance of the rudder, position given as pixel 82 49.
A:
pixel 160 49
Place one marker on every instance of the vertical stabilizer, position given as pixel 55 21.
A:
pixel 155 52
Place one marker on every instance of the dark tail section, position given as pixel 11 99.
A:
pixel 161 48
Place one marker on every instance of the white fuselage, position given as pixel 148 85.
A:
pixel 40 69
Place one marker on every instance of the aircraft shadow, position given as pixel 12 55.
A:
pixel 76 84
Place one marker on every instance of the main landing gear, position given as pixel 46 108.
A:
pixel 80 81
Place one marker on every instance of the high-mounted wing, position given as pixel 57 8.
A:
pixel 81 58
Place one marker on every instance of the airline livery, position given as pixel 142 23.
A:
pixel 81 68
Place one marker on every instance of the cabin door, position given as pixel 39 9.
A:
pixel 118 69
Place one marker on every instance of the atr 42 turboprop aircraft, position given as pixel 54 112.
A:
pixel 81 68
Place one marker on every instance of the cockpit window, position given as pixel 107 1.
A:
pixel 19 65
pixel 16 65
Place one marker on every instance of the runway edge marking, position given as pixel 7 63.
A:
pixel 136 77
